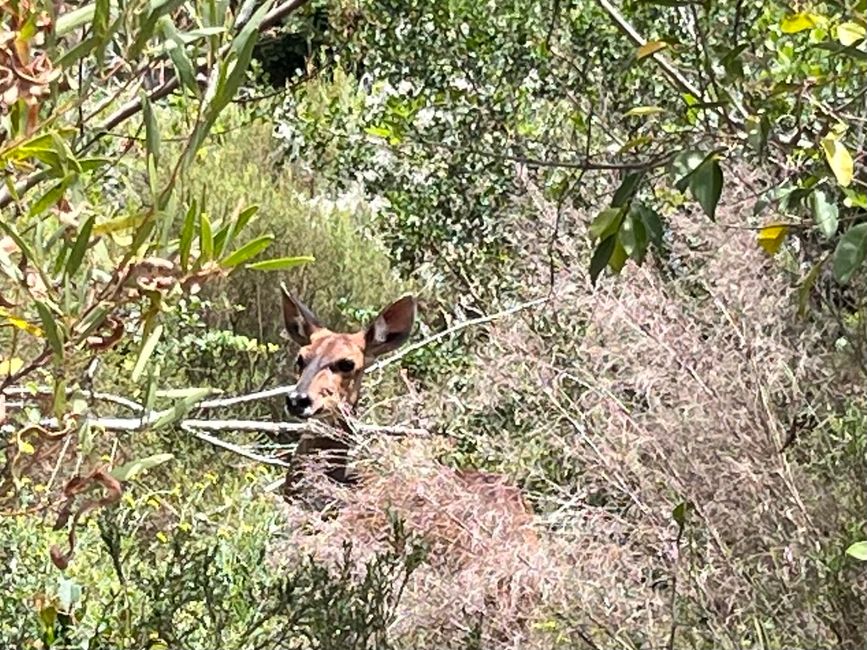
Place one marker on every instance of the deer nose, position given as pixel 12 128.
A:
pixel 297 403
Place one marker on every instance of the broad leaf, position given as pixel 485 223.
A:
pixel 601 256
pixel 770 238
pixel 606 223
pixel 849 33
pixel 825 213
pixel 850 252
pixel 858 550
pixel 800 22
pixel 839 160
pixel 706 185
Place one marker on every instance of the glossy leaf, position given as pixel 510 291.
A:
pixel 825 213
pixel 850 252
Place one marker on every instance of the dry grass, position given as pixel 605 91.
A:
pixel 626 401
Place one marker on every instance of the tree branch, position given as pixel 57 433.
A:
pixel 134 106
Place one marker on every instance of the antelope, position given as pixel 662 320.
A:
pixel 329 368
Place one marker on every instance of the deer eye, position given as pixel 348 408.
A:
pixel 300 363
pixel 345 365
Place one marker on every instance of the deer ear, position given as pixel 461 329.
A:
pixel 391 328
pixel 300 322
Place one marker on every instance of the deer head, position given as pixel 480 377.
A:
pixel 330 365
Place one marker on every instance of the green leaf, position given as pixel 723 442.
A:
pixel 706 185
pixel 74 19
pixel 628 188
pixel 639 111
pixel 79 248
pixel 206 238
pixel 129 470
pixel 850 252
pixel 280 263
pixel 146 351
pixel 187 232
pixel 152 130
pixel 825 213
pixel 839 160
pixel 49 326
pixel 247 251
pixel 806 287
pixel 618 256
pixel 836 48
pixel 633 236
pixel 652 224
pixel 606 223
pixel 858 550
pixel 683 165
pixel 178 54
pixel 680 513
pixel 179 410
pixel 601 256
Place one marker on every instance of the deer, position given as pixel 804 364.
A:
pixel 329 369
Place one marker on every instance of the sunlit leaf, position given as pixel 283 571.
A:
pixel 20 323
pixel 800 21
pixel 130 470
pixel 643 110
pixel 11 366
pixel 858 550
pixel 247 251
pixel 849 33
pixel 280 263
pixel 825 213
pixel 770 238
pixel 146 351
pixel 839 160
pixel 651 47
pixel 606 223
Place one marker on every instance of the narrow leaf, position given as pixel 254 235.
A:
pixel 146 351
pixel 152 130
pixel 206 238
pixel 50 328
pixel 651 47
pixel 247 251
pixel 799 22
pixel 187 236
pixel 130 470
pixel 280 263
pixel 79 247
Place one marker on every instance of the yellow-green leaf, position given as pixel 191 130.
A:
pixel 643 110
pixel 20 323
pixel 849 33
pixel 280 263
pixel 651 47
pixel 11 366
pixel 146 352
pixel 840 160
pixel 770 238
pixel 800 21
